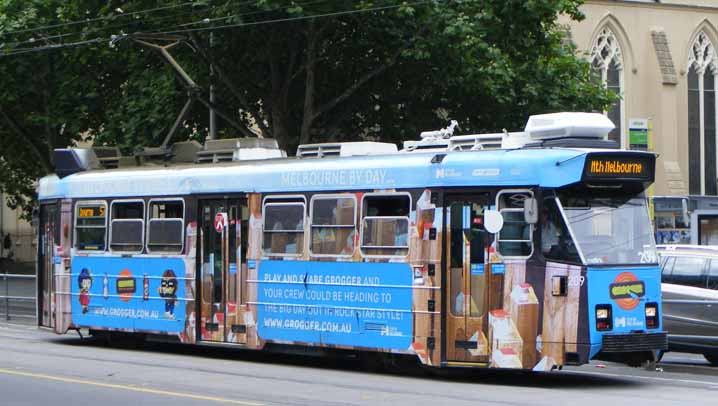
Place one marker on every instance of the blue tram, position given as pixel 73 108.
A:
pixel 527 250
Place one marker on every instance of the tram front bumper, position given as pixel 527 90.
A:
pixel 634 342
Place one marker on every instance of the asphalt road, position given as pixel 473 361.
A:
pixel 40 368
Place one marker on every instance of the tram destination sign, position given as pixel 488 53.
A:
pixel 91 211
pixel 619 167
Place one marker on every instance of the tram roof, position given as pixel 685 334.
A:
pixel 553 167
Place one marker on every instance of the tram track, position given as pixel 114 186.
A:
pixel 271 379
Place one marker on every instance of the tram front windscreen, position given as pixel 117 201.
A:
pixel 610 228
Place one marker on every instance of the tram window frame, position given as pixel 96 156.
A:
pixel 553 223
pixel 514 211
pixel 364 206
pixel 151 219
pixel 77 228
pixel 116 247
pixel 334 227
pixel 285 201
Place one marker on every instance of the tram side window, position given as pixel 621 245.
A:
pixel 127 226
pixel 333 225
pixel 165 227
pixel 516 237
pixel 90 226
pixel 556 242
pixel 385 224
pixel 283 227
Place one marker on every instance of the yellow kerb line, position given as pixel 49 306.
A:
pixel 129 388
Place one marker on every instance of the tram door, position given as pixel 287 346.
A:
pixel 467 291
pixel 222 273
pixel 48 235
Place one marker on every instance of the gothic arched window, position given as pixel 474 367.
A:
pixel 702 70
pixel 607 62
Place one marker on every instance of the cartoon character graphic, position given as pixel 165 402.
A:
pixel 84 282
pixel 168 290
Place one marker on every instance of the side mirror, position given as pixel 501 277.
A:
pixel 493 221
pixel 531 211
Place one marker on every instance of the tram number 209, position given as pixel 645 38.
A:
pixel 576 280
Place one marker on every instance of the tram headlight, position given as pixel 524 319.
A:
pixel 603 318
pixel 652 315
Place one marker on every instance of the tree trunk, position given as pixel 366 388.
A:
pixel 281 130
pixel 309 86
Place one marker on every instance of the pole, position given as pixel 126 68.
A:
pixel 2 224
pixel 2 256
pixel 7 296
pixel 212 116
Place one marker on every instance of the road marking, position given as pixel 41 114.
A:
pixel 645 377
pixel 129 388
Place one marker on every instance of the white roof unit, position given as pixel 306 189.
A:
pixel 432 140
pixel 239 149
pixel 426 145
pixel 444 140
pixel 475 142
pixel 568 125
pixel 344 149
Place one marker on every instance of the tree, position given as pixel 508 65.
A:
pixel 299 71
pixel 53 95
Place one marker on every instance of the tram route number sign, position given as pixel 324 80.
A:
pixel 220 221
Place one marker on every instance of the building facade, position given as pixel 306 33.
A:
pixel 17 241
pixel 661 57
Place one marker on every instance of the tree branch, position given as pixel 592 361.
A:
pixel 43 159
pixel 246 105
pixel 47 97
pixel 358 84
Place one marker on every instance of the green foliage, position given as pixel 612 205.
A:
pixel 322 70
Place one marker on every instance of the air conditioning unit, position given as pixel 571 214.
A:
pixel 568 125
pixel 239 149
pixel 344 149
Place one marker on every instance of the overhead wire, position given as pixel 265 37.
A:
pixel 213 20
pixel 53 47
pixel 100 29
pixel 299 18
pixel 205 20
pixel 90 20
pixel 168 31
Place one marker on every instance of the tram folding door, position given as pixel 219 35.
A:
pixel 222 269
pixel 47 235
pixel 466 281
